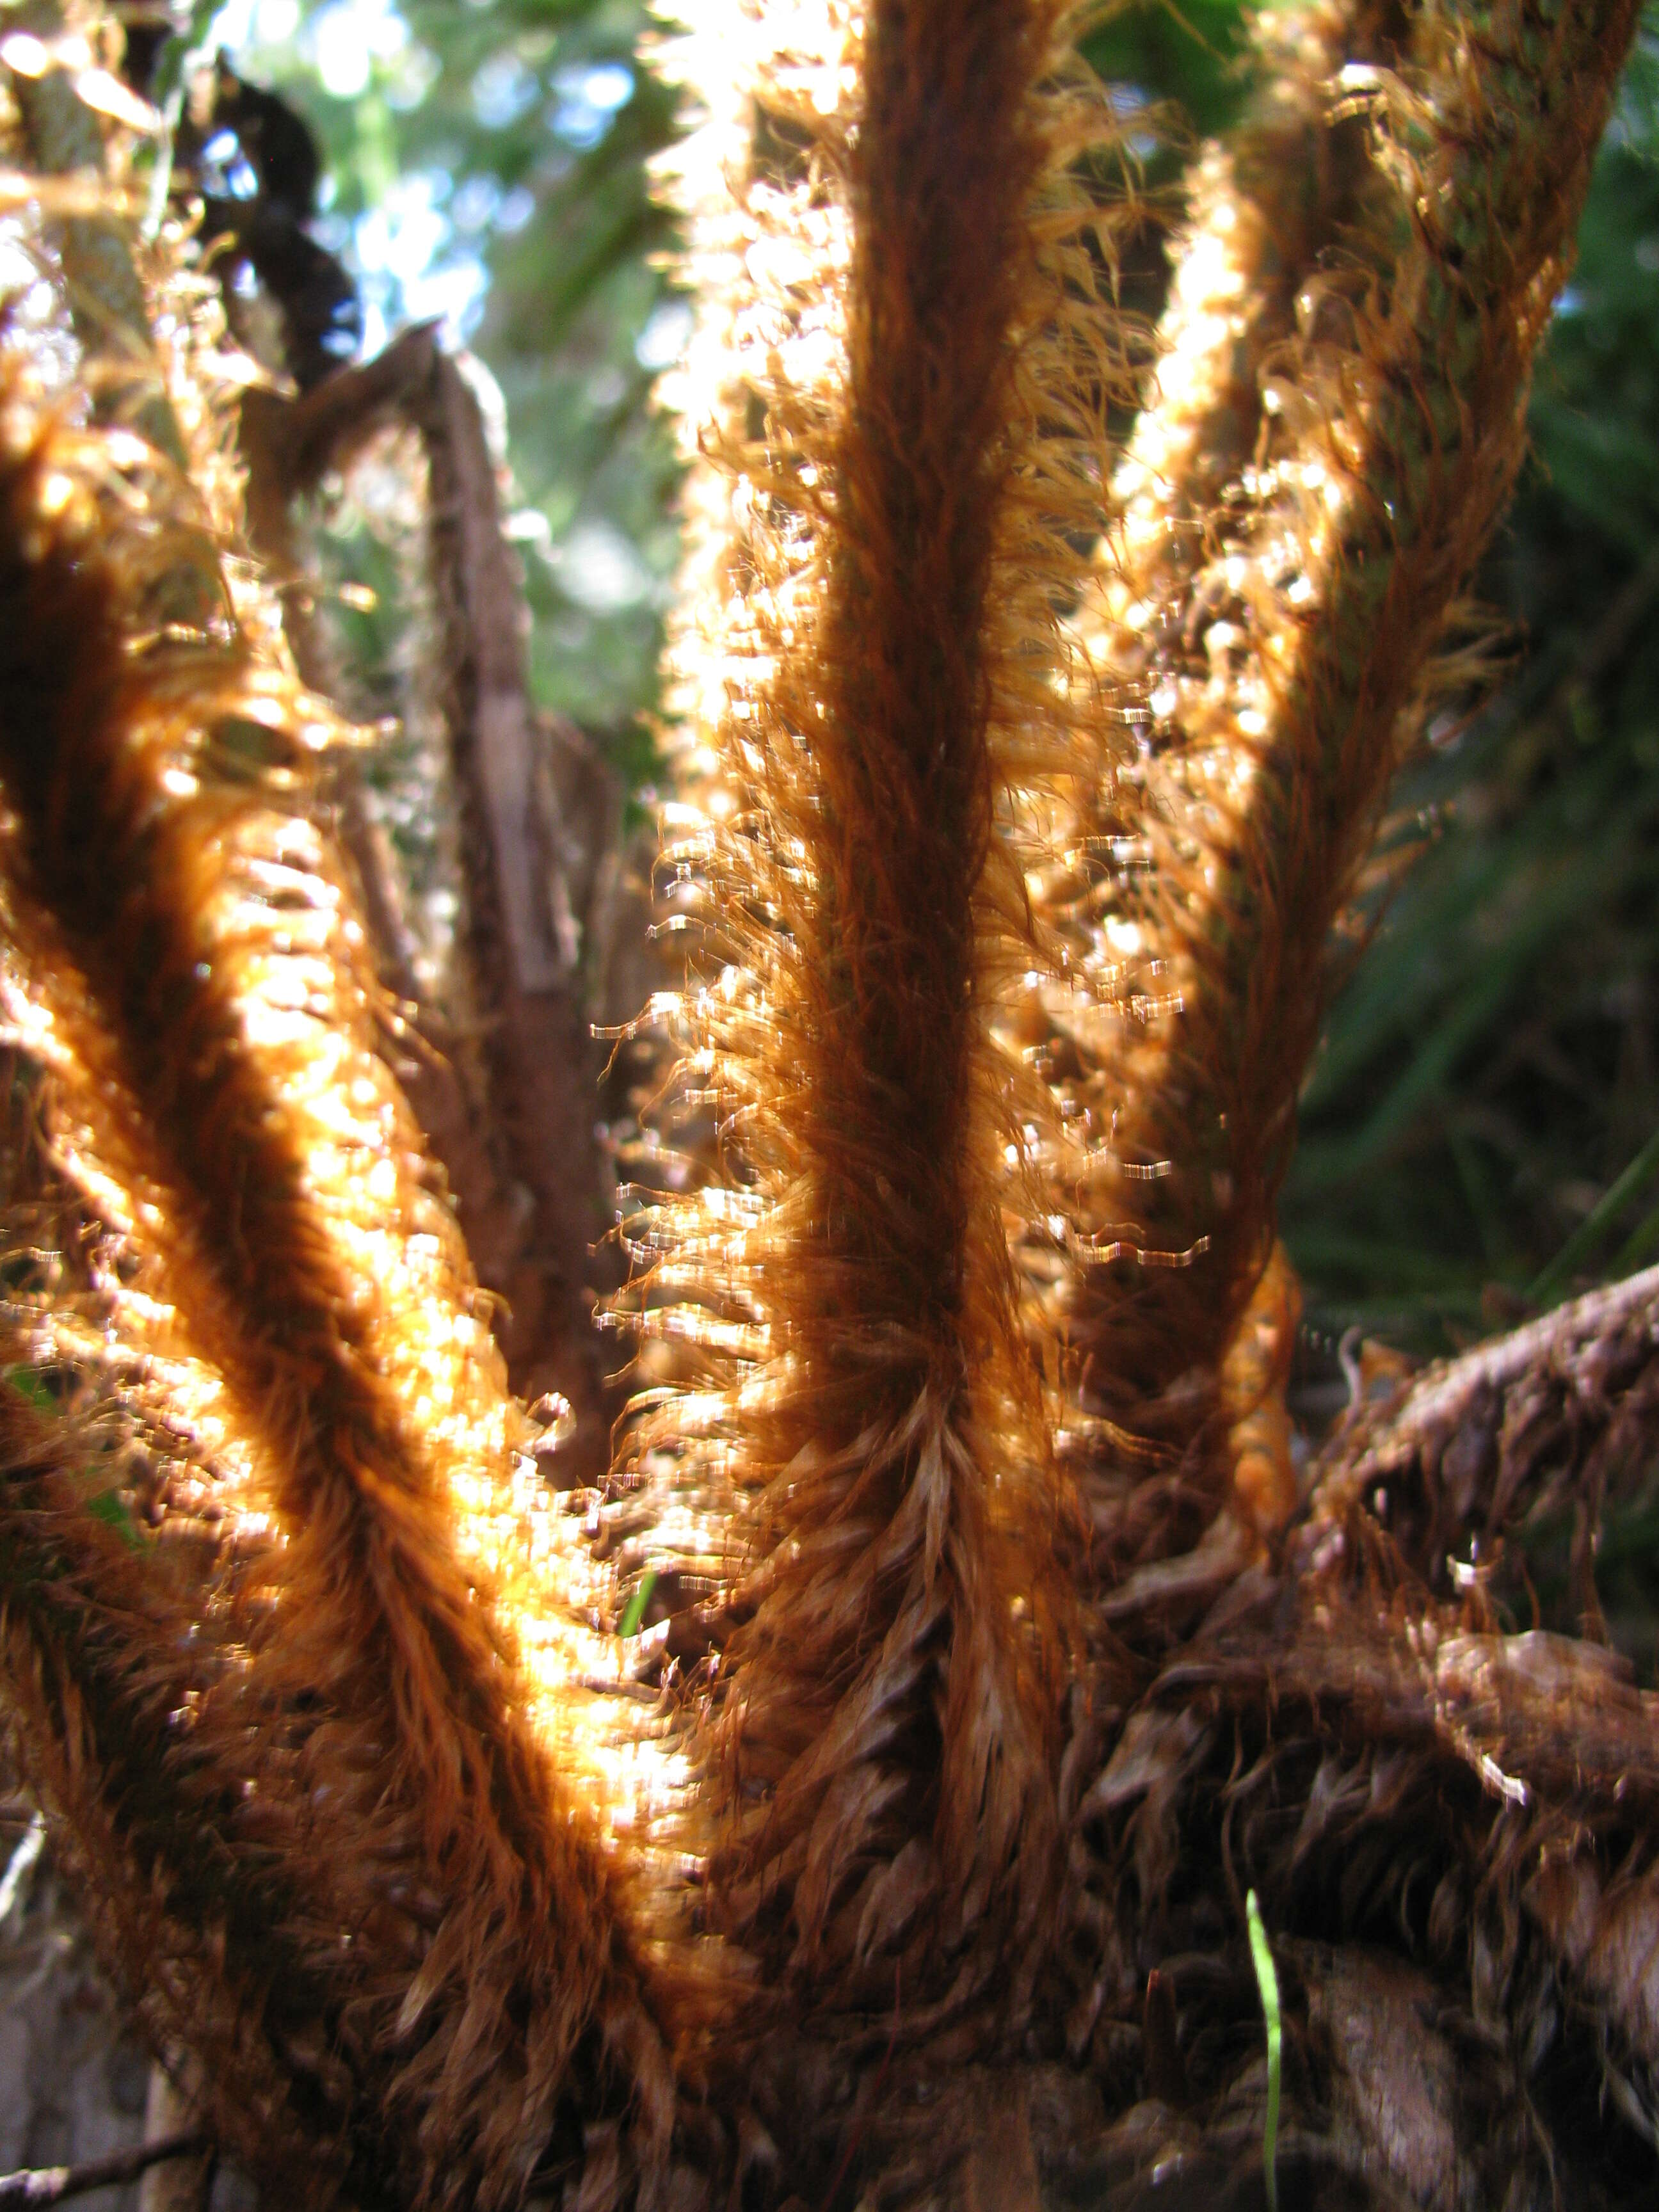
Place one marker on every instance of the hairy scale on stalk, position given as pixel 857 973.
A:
pixel 378 1726
pixel 1020 781
pixel 1339 414
pixel 902 407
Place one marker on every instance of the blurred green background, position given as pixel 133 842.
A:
pixel 1477 1129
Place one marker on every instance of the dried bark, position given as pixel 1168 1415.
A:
pixel 1564 1411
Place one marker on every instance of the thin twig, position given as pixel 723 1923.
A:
pixel 1536 1717
pixel 533 1130
pixel 51 2185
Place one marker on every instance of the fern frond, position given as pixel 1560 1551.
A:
pixel 963 1324
pixel 928 354
pixel 1305 504
pixel 388 1709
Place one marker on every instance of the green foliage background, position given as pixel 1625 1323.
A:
pixel 1492 1070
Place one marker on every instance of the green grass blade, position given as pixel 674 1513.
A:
pixel 1266 1977
pixel 1638 1247
pixel 1590 1230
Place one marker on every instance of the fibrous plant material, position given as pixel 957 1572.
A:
pixel 195 990
pixel 930 425
pixel 1270 212
pixel 511 1119
pixel 329 1811
pixel 1554 1415
pixel 1022 784
pixel 1284 581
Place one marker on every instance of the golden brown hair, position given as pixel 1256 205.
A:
pixel 1340 416
pixel 887 720
pixel 382 1730
pixel 1022 781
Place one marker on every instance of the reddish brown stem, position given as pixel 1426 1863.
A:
pixel 530 1178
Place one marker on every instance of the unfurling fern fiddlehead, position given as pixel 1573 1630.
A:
pixel 1023 781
